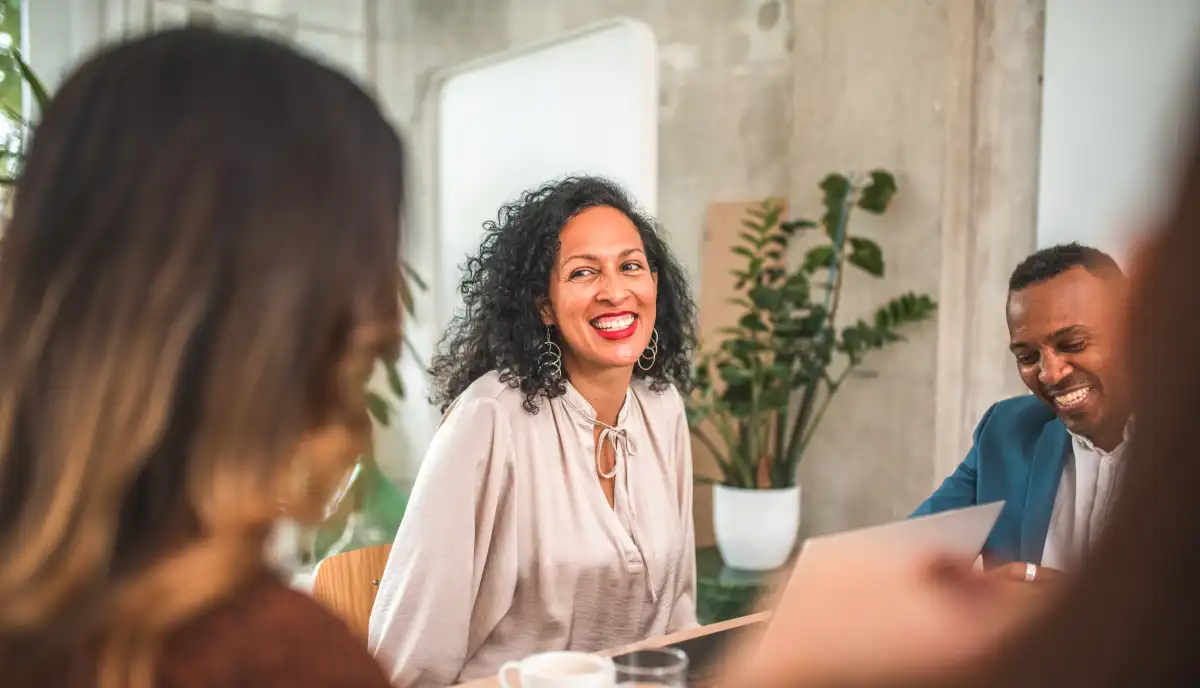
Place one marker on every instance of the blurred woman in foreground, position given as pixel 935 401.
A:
pixel 1132 618
pixel 199 276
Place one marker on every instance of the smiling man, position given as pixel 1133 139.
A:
pixel 1053 457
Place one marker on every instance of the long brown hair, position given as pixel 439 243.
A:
pixel 1133 617
pixel 200 273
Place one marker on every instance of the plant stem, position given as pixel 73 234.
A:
pixel 731 441
pixel 711 446
pixel 833 293
pixel 812 428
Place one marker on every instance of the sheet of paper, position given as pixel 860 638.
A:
pixel 961 532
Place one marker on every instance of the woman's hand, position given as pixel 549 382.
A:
pixel 857 615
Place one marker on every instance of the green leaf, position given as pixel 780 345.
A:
pixel 393 378
pixel 40 95
pixel 796 289
pixel 413 276
pixel 379 409
pixel 406 297
pixel 743 251
pixel 836 188
pixel 751 239
pixel 751 321
pixel 905 309
pixel 739 301
pixel 765 297
pixel 744 350
pixel 878 193
pixel 731 331
pixel 819 257
pixel 867 255
pixel 774 273
pixel 791 226
pixel 752 225
pixel 735 376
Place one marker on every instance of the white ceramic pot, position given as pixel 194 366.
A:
pixel 756 530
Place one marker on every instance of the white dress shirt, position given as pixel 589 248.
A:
pixel 1085 495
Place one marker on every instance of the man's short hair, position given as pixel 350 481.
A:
pixel 1051 262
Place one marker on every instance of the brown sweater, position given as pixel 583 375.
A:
pixel 265 635
pixel 268 635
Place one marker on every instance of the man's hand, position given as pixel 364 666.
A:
pixel 1018 571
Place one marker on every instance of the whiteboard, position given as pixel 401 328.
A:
pixel 586 103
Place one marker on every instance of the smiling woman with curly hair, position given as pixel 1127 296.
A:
pixel 554 507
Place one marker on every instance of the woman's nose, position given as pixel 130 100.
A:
pixel 612 290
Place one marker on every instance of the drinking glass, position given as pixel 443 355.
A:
pixel 666 667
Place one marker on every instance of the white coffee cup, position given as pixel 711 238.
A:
pixel 560 670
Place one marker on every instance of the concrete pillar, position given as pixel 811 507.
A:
pixel 989 208
pixel 945 94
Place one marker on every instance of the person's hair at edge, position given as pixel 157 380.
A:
pixel 1133 616
pixel 1048 263
pixel 200 273
pixel 500 327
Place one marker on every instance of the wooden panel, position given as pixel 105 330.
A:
pixel 722 223
pixel 347 583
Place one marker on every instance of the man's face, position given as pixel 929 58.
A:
pixel 1063 333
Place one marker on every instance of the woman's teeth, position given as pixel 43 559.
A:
pixel 614 324
pixel 1072 398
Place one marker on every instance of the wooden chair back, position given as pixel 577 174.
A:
pixel 347 584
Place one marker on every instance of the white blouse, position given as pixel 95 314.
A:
pixel 509 546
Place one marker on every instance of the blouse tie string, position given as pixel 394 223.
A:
pixel 623 445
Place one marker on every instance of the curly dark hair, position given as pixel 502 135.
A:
pixel 500 326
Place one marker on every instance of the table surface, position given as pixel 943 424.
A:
pixel 661 641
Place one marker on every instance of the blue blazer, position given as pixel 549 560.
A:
pixel 1017 456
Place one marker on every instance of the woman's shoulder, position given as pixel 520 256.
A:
pixel 491 389
pixel 662 403
pixel 266 634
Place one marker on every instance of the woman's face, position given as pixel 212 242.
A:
pixel 602 294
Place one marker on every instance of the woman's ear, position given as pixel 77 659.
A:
pixel 547 311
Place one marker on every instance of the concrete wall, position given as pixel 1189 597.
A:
pixel 918 88
pixel 763 97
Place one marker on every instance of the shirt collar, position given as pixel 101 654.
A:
pixel 576 400
pixel 1089 446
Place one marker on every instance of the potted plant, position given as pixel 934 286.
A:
pixel 368 508
pixel 762 393
pixel 12 145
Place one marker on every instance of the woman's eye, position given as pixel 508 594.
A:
pixel 631 265
pixel 581 272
